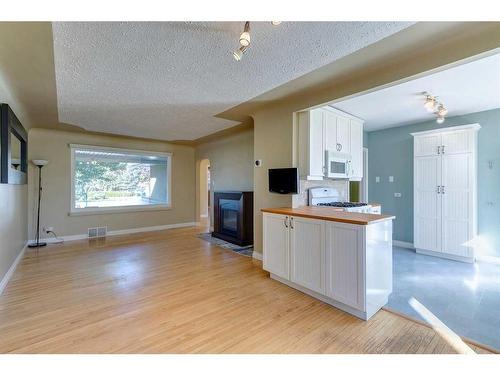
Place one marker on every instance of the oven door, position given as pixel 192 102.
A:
pixel 337 165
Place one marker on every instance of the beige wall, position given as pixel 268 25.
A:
pixel 53 146
pixel 231 163
pixel 13 224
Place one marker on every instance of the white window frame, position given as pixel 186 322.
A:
pixel 103 210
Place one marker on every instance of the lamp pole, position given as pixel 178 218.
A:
pixel 39 164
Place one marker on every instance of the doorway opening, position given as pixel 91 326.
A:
pixel 205 193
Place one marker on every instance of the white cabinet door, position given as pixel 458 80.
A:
pixel 307 253
pixel 344 264
pixel 356 150
pixel 276 245
pixel 457 197
pixel 427 210
pixel 427 145
pixel 457 142
pixel 344 134
pixel 330 124
pixel 316 150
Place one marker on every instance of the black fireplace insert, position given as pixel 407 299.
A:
pixel 233 217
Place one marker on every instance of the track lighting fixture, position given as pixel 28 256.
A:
pixel 432 105
pixel 245 40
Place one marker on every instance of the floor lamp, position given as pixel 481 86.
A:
pixel 39 164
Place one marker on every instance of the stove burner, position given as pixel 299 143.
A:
pixel 342 204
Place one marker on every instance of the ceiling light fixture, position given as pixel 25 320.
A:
pixel 245 40
pixel 238 54
pixel 430 103
pixel 245 35
pixel 441 110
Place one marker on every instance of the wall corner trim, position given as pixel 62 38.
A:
pixel 10 272
pixel 256 255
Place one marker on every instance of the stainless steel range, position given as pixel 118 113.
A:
pixel 327 196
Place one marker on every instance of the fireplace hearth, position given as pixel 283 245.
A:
pixel 233 217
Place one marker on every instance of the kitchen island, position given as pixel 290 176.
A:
pixel 341 258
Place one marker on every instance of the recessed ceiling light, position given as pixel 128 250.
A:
pixel 276 23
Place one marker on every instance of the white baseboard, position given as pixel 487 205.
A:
pixel 406 245
pixel 445 256
pixel 120 232
pixel 257 255
pixel 10 272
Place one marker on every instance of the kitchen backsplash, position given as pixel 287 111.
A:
pixel 301 199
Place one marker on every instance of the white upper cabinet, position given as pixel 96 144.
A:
pixel 327 129
pixel 343 135
pixel 311 155
pixel 356 127
pixel 427 145
pixel 457 142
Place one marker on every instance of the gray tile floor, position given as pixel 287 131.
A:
pixel 466 297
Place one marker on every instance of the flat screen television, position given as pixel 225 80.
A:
pixel 284 180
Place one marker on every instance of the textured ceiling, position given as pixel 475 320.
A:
pixel 467 88
pixel 168 80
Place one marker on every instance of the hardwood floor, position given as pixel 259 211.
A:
pixel 171 292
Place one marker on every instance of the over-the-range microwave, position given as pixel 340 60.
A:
pixel 338 164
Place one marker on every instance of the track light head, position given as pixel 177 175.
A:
pixel 441 110
pixel 238 54
pixel 430 103
pixel 245 39
pixel 440 119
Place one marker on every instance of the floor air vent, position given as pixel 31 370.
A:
pixel 98 232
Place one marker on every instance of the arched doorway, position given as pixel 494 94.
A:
pixel 204 193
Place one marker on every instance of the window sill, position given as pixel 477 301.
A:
pixel 118 210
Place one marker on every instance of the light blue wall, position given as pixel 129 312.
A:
pixel 390 153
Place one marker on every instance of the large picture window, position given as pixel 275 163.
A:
pixel 111 179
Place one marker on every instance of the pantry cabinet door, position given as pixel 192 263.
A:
pixel 427 203
pixel 307 253
pixel 458 204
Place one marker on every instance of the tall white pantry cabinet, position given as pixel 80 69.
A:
pixel 445 192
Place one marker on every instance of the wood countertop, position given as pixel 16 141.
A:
pixel 330 214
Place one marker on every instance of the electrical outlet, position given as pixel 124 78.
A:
pixel 397 195
pixel 391 178
pixel 377 179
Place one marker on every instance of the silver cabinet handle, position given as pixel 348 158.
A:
pixel 340 144
pixel 438 190
pixel 442 149
pixel 286 221
pixel 442 189
pixel 439 150
pixel 291 223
